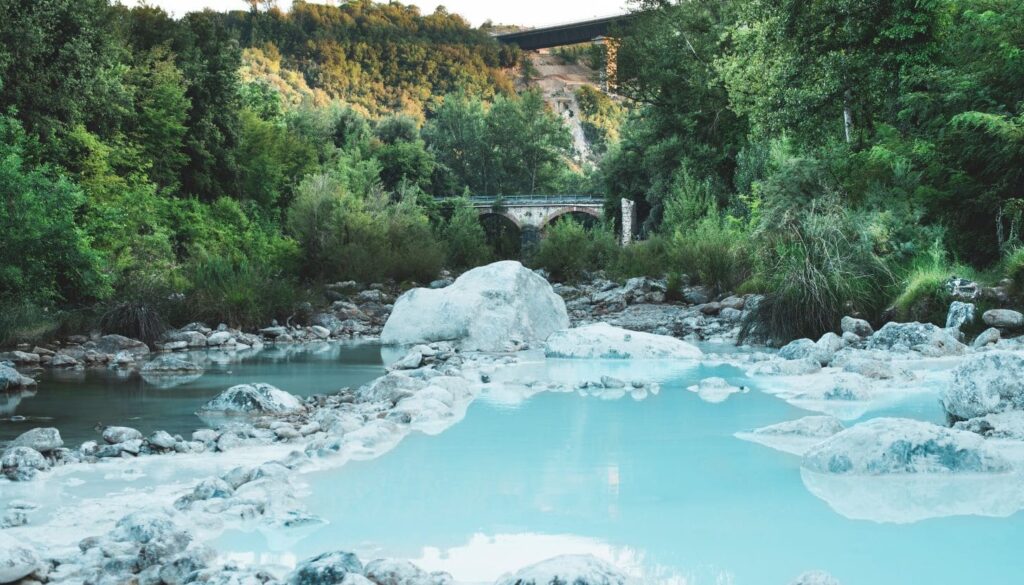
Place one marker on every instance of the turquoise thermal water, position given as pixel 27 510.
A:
pixel 658 484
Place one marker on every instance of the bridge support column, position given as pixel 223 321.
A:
pixel 529 240
pixel 628 220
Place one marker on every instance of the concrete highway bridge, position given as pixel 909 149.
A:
pixel 531 214
pixel 572 33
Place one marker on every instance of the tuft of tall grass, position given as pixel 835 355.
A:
pixel 26 323
pixel 821 269
pixel 135 318
pixel 714 252
pixel 1013 268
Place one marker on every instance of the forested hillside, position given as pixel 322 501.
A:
pixel 841 157
pixel 214 167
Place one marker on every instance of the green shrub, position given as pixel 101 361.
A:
pixel 643 258
pixel 674 287
pixel 241 293
pixel 923 295
pixel 817 269
pixel 26 322
pixel 569 250
pixel 715 252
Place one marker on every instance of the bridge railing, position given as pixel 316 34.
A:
pixel 490 200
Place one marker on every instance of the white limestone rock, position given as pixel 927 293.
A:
pixel 253 399
pixel 795 436
pixel 604 341
pixel 816 578
pixel 573 569
pixel 987 383
pixel 115 435
pixel 41 439
pixel 715 390
pixel 491 308
pixel 926 338
pixel 394 572
pixel 17 559
pixel 898 446
pixel 331 567
pixel 1004 319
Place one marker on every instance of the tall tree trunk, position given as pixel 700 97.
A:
pixel 847 117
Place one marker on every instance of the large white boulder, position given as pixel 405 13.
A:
pixel 17 560
pixel 601 340
pixel 253 399
pixel 985 384
pixel 572 569
pixel 896 446
pixel 491 308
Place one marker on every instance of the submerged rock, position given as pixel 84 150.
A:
pixel 170 364
pixel 896 446
pixel 491 308
pixel 926 338
pixel 795 436
pixel 567 569
pixel 715 390
pixel 815 578
pixel 326 569
pixel 253 399
pixel 17 559
pixel 604 341
pixel 41 439
pixel 984 384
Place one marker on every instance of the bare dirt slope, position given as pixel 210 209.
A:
pixel 558 81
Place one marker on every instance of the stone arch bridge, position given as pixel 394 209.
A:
pixel 532 213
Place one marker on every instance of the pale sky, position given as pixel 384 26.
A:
pixel 524 12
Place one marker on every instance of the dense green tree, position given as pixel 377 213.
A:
pixel 59 65
pixel 47 255
pixel 529 144
pixel 820 70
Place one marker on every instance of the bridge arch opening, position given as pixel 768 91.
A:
pixel 504 236
pixel 587 218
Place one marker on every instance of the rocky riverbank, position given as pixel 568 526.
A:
pixel 505 309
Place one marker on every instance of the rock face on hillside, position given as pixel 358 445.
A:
pixel 574 569
pixel 897 446
pixel 492 308
pixel 985 384
pixel 601 340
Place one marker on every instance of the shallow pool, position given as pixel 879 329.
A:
pixel 655 483
pixel 76 401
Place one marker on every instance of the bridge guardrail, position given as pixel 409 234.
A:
pixel 536 199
